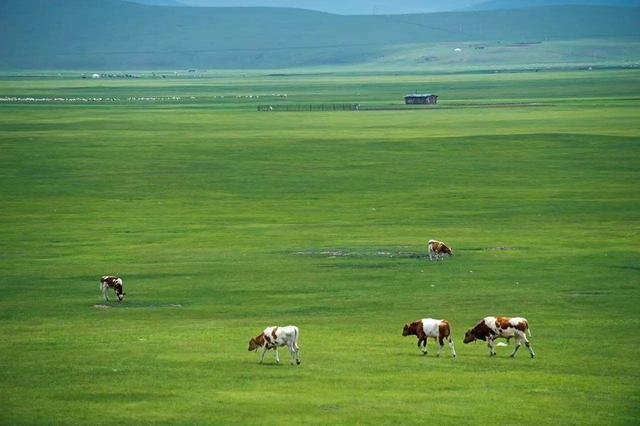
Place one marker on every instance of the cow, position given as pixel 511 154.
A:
pixel 438 249
pixel 491 328
pixel 429 327
pixel 110 281
pixel 273 337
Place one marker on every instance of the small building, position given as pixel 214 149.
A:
pixel 421 98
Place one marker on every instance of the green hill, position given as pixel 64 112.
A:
pixel 112 34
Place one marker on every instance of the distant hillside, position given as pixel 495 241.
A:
pixel 379 7
pixel 158 2
pixel 112 34
pixel 346 7
pixel 518 4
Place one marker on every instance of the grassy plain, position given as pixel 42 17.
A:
pixel 233 215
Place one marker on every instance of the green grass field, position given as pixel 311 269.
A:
pixel 222 221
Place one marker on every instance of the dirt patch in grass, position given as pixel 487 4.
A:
pixel 385 253
pixel 331 253
pixel 342 265
pixel 101 306
pixel 497 248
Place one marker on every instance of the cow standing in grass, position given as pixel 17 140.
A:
pixel 438 249
pixel 115 283
pixel 491 328
pixel 273 337
pixel 429 327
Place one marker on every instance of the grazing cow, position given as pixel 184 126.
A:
pixel 273 337
pixel 492 328
pixel 438 249
pixel 429 327
pixel 115 283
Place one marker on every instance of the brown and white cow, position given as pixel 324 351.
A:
pixel 438 249
pixel 273 337
pixel 110 281
pixel 491 328
pixel 429 327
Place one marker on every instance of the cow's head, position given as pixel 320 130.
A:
pixel 117 287
pixel 253 344
pixel 406 330
pixel 469 336
pixel 448 251
pixel 412 329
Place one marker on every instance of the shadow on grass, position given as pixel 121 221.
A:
pixel 136 305
pixel 431 354
pixel 273 364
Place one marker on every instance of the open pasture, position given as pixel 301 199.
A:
pixel 223 220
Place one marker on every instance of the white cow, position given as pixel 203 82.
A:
pixel 273 337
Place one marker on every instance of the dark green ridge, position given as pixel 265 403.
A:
pixel 112 34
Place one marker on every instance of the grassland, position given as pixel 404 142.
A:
pixel 222 220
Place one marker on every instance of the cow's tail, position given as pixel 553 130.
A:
pixel 295 331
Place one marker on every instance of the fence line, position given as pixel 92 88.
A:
pixel 310 107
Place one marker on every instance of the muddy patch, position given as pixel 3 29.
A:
pixel 496 248
pixel 344 253
pixel 330 407
pixel 401 253
pixel 356 266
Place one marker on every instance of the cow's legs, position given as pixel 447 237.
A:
pixel 104 289
pixel 517 346
pixel 490 344
pixel 432 253
pixel 276 355
pixel 291 353
pixel 453 349
pixel 295 353
pixel 528 345
pixel 441 342
pixel 264 350
pixel 423 349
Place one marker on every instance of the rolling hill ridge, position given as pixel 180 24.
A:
pixel 518 4
pixel 113 34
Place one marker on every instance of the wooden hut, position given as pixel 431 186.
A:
pixel 421 98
